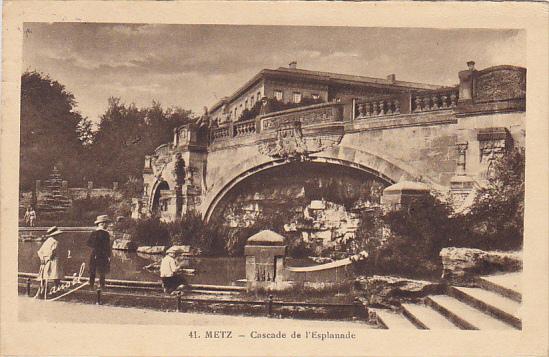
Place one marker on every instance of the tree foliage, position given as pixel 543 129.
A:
pixel 54 133
pixel 51 130
pixel 126 134
pixel 496 218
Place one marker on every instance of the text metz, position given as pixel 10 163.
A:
pixel 219 334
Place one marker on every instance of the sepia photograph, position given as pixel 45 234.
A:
pixel 299 182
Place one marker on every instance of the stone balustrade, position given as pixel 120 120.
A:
pixel 221 133
pixel 377 107
pixel 244 128
pixel 310 115
pixel 427 101
pixel 434 100
pixel 233 130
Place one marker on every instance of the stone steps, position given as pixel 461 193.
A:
pixel 465 316
pixel 489 302
pixel 508 285
pixel 494 305
pixel 426 318
pixel 393 320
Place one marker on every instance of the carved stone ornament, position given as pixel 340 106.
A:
pixel 291 143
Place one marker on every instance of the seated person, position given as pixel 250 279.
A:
pixel 168 272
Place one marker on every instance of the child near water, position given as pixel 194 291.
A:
pixel 169 270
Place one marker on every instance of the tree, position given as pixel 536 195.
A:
pixel 126 134
pixel 496 217
pixel 51 130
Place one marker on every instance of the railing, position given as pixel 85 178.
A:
pixel 120 292
pixel 220 133
pixel 313 114
pixel 406 103
pixel 244 128
pixel 434 100
pixel 309 115
pixel 377 107
pixel 232 130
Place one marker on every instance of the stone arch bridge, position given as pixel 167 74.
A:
pixel 445 138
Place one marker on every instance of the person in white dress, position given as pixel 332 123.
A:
pixel 51 270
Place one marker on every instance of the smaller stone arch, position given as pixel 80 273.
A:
pixel 154 200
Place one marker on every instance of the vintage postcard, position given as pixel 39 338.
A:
pixel 274 179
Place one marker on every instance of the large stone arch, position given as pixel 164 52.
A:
pixel 349 156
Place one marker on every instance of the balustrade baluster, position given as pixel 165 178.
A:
pixel 426 103
pixel 418 104
pixel 376 111
pixel 389 107
pixel 453 99
pixel 396 103
pixel 369 110
pixel 435 106
pixel 444 101
pixel 381 108
pixel 361 110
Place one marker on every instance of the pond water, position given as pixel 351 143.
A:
pixel 129 266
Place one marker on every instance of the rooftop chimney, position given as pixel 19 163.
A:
pixel 293 65
pixel 391 78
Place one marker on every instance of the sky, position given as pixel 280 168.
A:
pixel 192 66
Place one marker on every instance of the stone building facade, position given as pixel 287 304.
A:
pixel 293 85
pixel 397 132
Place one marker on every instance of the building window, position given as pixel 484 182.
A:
pixel 246 105
pixel 297 97
pixel 252 101
pixel 315 96
pixel 278 95
pixel 258 95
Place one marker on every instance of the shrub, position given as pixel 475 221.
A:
pixel 149 231
pixel 496 218
pixel 297 248
pixel 406 241
pixel 190 229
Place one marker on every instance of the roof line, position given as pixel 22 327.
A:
pixel 323 76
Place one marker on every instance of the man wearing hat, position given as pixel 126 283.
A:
pixel 100 256
pixel 50 266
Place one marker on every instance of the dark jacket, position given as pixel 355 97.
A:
pixel 100 244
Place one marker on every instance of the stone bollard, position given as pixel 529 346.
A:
pixel 179 301
pixel 98 301
pixel 357 308
pixel 269 305
pixel 28 287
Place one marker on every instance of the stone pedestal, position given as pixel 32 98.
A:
pixel 403 193
pixel 265 253
pixel 461 186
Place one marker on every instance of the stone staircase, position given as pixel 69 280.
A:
pixel 492 304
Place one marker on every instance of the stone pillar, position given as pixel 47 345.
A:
pixel 466 83
pixel 461 161
pixel 403 193
pixel 115 185
pixel 90 185
pixel 265 254
pixel 461 185
pixel 65 186
pixel 175 137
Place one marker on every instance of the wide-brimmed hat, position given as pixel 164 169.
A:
pixel 102 218
pixel 53 231
pixel 172 250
